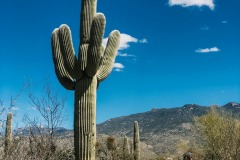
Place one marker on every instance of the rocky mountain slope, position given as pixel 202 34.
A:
pixel 162 129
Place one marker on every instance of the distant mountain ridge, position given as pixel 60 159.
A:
pixel 162 128
pixel 156 120
pixel 43 130
pixel 160 119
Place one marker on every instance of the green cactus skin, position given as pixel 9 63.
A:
pixel 136 141
pixel 8 133
pixel 83 74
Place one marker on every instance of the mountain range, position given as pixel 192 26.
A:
pixel 162 129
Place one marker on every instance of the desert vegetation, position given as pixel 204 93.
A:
pixel 219 135
pixel 213 135
pixel 215 138
pixel 37 142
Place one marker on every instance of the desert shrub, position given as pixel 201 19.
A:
pixel 219 135
pixel 37 148
pixel 111 148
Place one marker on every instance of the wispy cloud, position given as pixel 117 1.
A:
pixel 189 3
pixel 205 28
pixel 224 22
pixel 207 50
pixel 144 40
pixel 15 108
pixel 33 108
pixel 125 55
pixel 125 41
pixel 118 67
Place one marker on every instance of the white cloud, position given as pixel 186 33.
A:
pixel 188 3
pixel 207 50
pixel 125 40
pixel 15 108
pixel 125 55
pixel 104 42
pixel 118 67
pixel 118 70
pixel 144 40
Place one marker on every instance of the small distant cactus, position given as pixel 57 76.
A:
pixel 8 133
pixel 83 74
pixel 136 141
pixel 126 148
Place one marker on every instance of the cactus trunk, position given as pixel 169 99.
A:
pixel 8 133
pixel 136 141
pixel 85 118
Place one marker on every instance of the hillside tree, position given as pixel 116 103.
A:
pixel 219 134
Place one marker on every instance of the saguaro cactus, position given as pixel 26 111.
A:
pixel 8 133
pixel 126 148
pixel 136 142
pixel 83 74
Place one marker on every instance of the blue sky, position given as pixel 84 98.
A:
pixel 172 52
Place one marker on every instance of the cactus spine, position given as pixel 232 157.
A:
pixel 8 133
pixel 136 142
pixel 83 74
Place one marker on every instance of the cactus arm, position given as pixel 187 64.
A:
pixel 64 78
pixel 68 53
pixel 88 10
pixel 109 56
pixel 95 44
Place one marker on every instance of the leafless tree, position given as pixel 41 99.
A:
pixel 8 106
pixel 50 106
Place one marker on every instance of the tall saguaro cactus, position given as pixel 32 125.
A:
pixel 136 141
pixel 83 74
pixel 8 133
